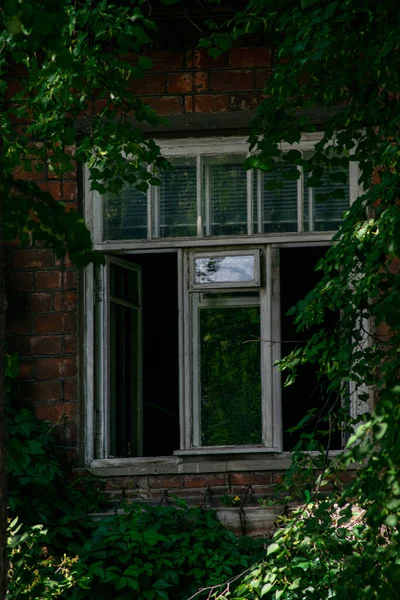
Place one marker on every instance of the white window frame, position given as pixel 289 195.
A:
pixel 95 424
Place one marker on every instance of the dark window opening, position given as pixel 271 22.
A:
pixel 297 278
pixel 160 435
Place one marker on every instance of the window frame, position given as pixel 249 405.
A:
pixel 94 421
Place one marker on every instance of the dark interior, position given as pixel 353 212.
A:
pixel 298 276
pixel 160 353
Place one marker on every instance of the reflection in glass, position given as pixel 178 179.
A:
pixel 225 188
pixel 230 376
pixel 278 199
pixel 224 269
pixel 125 215
pixel 178 199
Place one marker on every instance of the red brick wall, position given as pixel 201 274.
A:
pixel 42 291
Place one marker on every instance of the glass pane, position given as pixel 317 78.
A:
pixel 278 200
pixel 224 269
pixel 178 199
pixel 124 381
pixel 124 284
pixel 225 188
pixel 324 212
pixel 125 215
pixel 230 376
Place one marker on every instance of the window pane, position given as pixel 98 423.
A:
pixel 325 213
pixel 224 269
pixel 125 215
pixel 124 284
pixel 225 189
pixel 125 404
pixel 278 200
pixel 177 208
pixel 230 376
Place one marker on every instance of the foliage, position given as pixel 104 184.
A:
pixel 339 60
pixel 33 573
pixel 162 552
pixel 69 53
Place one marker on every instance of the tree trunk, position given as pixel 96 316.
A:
pixel 3 427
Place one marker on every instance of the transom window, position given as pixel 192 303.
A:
pixel 184 326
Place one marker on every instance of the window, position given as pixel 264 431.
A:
pixel 187 317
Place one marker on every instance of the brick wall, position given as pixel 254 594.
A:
pixel 42 291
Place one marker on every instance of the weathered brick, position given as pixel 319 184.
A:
pixel 70 280
pixel 163 60
pixel 245 101
pixel 50 323
pixel 48 280
pixel 277 477
pixel 259 56
pixel 56 412
pixel 201 81
pixel 153 83
pixel 261 78
pixel 52 187
pixel 37 302
pixel 36 172
pixel 188 104
pixel 211 103
pixel 204 481
pixel 231 80
pixel 71 322
pixel 68 191
pixel 71 344
pixel 25 369
pixel 70 390
pixel 165 105
pixel 200 59
pixel 65 301
pixel 178 83
pixel 17 323
pixel 165 481
pixel 54 368
pixel 40 391
pixel 40 345
pixel 19 281
pixel 250 478
pixel 33 258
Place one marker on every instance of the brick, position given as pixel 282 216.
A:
pixel 70 434
pixel 65 301
pixel 50 323
pixel 71 344
pixel 40 345
pixel 17 323
pixel 153 83
pixel 211 103
pixel 178 83
pixel 201 81
pixel 70 280
pixel 71 322
pixel 25 369
pixel 54 368
pixel 48 280
pixel 19 281
pixel 56 412
pixel 169 60
pixel 250 57
pixel 70 390
pixel 35 173
pixel 37 302
pixel 68 191
pixel 245 101
pixel 52 187
pixel 231 80
pixel 165 105
pixel 204 481
pixel 33 259
pixel 200 59
pixel 277 477
pixel 188 104
pixel 250 478
pixel 42 391
pixel 165 481
pixel 261 77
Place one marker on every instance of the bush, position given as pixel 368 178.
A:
pixel 160 552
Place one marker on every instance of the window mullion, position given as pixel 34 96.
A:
pixel 260 207
pixel 199 192
pixel 149 212
pixel 156 211
pixel 266 354
pixel 300 201
pixel 311 212
pixel 207 197
pixel 196 366
pixel 249 181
